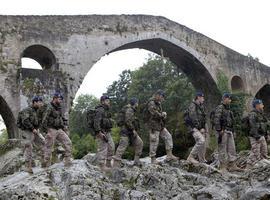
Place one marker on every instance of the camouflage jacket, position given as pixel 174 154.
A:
pixel 102 119
pixel 53 117
pixel 223 118
pixel 156 121
pixel 258 123
pixel 197 115
pixel 29 119
pixel 131 121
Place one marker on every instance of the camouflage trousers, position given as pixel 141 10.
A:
pixel 136 142
pixel 258 150
pixel 61 137
pixel 29 139
pixel 154 140
pixel 199 149
pixel 226 148
pixel 105 150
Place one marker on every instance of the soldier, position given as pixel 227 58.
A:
pixel 28 122
pixel 156 125
pixel 129 133
pixel 197 126
pixel 258 125
pixel 55 125
pixel 223 123
pixel 102 128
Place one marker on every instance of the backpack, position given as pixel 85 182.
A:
pixel 90 116
pixel 120 118
pixel 19 120
pixel 212 118
pixel 245 124
pixel 187 119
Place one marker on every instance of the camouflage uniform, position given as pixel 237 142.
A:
pixel 197 127
pixel 223 121
pixel 156 125
pixel 29 120
pixel 54 122
pixel 131 125
pixel 258 124
pixel 103 123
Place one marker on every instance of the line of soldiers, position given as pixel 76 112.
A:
pixel 129 135
pixel 223 124
pixel 50 119
pixel 54 125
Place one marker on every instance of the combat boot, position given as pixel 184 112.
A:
pixel 192 159
pixel 154 161
pixel 116 163
pixel 223 168
pixel 109 163
pixel 137 161
pixel 232 167
pixel 45 164
pixel 28 166
pixel 104 168
pixel 170 156
pixel 67 162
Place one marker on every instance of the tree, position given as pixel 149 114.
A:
pixel 118 91
pixel 77 119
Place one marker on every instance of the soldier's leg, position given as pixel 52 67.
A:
pixel 154 140
pixel 167 137
pixel 199 148
pixel 231 151
pixel 110 149
pixel 63 138
pixel 264 150
pixel 49 143
pixel 254 155
pixel 138 146
pixel 102 147
pixel 222 149
pixel 27 140
pixel 39 142
pixel 123 144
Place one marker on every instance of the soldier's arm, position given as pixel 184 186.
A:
pixel 218 115
pixel 98 119
pixel 129 118
pixel 153 111
pixel 193 115
pixel 26 120
pixel 253 125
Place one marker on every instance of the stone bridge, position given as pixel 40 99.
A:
pixel 68 46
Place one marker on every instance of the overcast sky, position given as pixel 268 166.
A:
pixel 242 25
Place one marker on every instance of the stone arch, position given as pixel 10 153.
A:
pixel 8 118
pixel 186 61
pixel 237 84
pixel 264 95
pixel 43 55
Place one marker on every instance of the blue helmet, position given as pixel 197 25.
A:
pixel 199 94
pixel 104 97
pixel 133 101
pixel 58 95
pixel 226 95
pixel 161 93
pixel 36 99
pixel 256 102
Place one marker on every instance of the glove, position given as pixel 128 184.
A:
pixel 164 115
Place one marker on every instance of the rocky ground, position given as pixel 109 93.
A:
pixel 83 180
